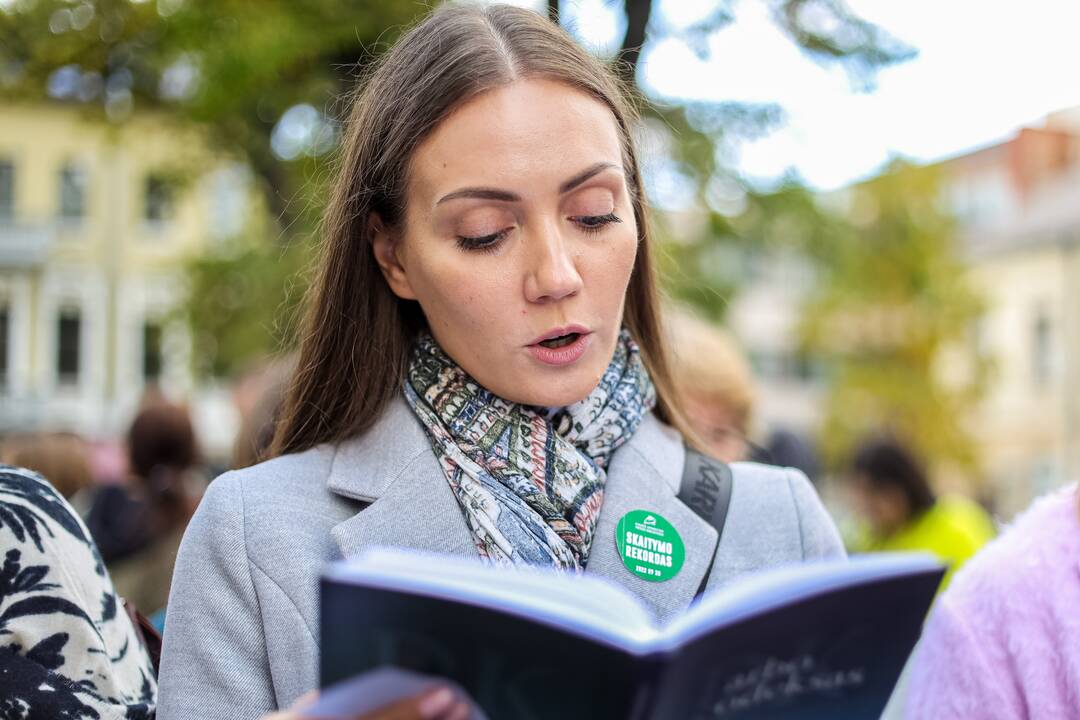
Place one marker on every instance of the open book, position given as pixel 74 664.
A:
pixel 819 640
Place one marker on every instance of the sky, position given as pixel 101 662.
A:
pixel 984 69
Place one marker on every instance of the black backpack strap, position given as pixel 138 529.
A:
pixel 706 489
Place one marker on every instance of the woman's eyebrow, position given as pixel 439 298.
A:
pixel 585 175
pixel 504 196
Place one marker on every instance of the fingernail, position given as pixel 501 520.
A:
pixel 436 703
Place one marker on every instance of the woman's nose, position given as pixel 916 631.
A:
pixel 552 273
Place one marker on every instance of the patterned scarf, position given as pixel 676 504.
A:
pixel 529 480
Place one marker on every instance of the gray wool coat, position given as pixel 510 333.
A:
pixel 241 637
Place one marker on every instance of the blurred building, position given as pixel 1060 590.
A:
pixel 1018 208
pixel 1018 204
pixel 764 316
pixel 94 221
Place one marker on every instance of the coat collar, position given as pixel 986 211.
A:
pixel 364 467
pixel 411 505
pixel 392 468
pixel 645 475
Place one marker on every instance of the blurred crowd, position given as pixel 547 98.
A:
pixel 136 495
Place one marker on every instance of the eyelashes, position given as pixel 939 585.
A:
pixel 586 223
pixel 592 223
pixel 482 242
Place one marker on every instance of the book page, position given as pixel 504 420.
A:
pixel 580 604
pixel 773 589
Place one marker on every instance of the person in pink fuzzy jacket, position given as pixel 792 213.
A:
pixel 1003 641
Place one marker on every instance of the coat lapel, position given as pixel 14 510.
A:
pixel 411 505
pixel 644 475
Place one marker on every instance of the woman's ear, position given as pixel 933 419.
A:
pixel 384 243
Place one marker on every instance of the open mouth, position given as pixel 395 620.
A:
pixel 561 341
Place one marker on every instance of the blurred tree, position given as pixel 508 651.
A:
pixel 706 261
pixel 234 66
pixel 225 309
pixel 265 79
pixel 890 304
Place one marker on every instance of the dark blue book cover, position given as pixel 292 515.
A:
pixel 824 640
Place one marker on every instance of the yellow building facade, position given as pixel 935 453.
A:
pixel 95 220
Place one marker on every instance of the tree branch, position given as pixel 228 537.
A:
pixel 637 21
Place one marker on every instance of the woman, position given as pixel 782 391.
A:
pixel 481 373
pixel 1003 642
pixel 714 383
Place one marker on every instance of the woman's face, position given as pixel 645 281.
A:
pixel 519 240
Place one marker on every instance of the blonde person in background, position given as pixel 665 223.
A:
pixel 61 457
pixel 714 381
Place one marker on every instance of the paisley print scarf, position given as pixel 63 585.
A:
pixel 529 480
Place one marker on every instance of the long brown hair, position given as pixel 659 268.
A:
pixel 356 334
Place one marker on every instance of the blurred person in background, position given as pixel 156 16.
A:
pixel 163 489
pixel 788 448
pixel 68 649
pixel 716 384
pixel 71 647
pixel 901 512
pixel 713 378
pixel 258 396
pixel 61 457
pixel 1003 641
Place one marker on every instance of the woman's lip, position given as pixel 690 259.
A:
pixel 564 355
pixel 559 332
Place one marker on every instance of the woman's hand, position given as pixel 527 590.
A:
pixel 436 704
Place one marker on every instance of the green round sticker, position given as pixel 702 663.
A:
pixel 649 546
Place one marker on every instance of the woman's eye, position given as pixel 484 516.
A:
pixel 481 242
pixel 592 223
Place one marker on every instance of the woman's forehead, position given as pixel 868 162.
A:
pixel 523 136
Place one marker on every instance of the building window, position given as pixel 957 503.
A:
pixel 72 192
pixel 1042 348
pixel 158 199
pixel 67 346
pixel 7 190
pixel 152 357
pixel 5 324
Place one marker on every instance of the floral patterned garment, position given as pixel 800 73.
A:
pixel 68 651
pixel 529 480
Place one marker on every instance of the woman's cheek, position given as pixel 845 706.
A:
pixel 620 262
pixel 481 300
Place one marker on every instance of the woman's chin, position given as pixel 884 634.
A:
pixel 527 381
pixel 560 392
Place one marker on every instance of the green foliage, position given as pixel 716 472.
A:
pixel 241 302
pixel 234 67
pixel 246 64
pixel 891 303
pixel 708 270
